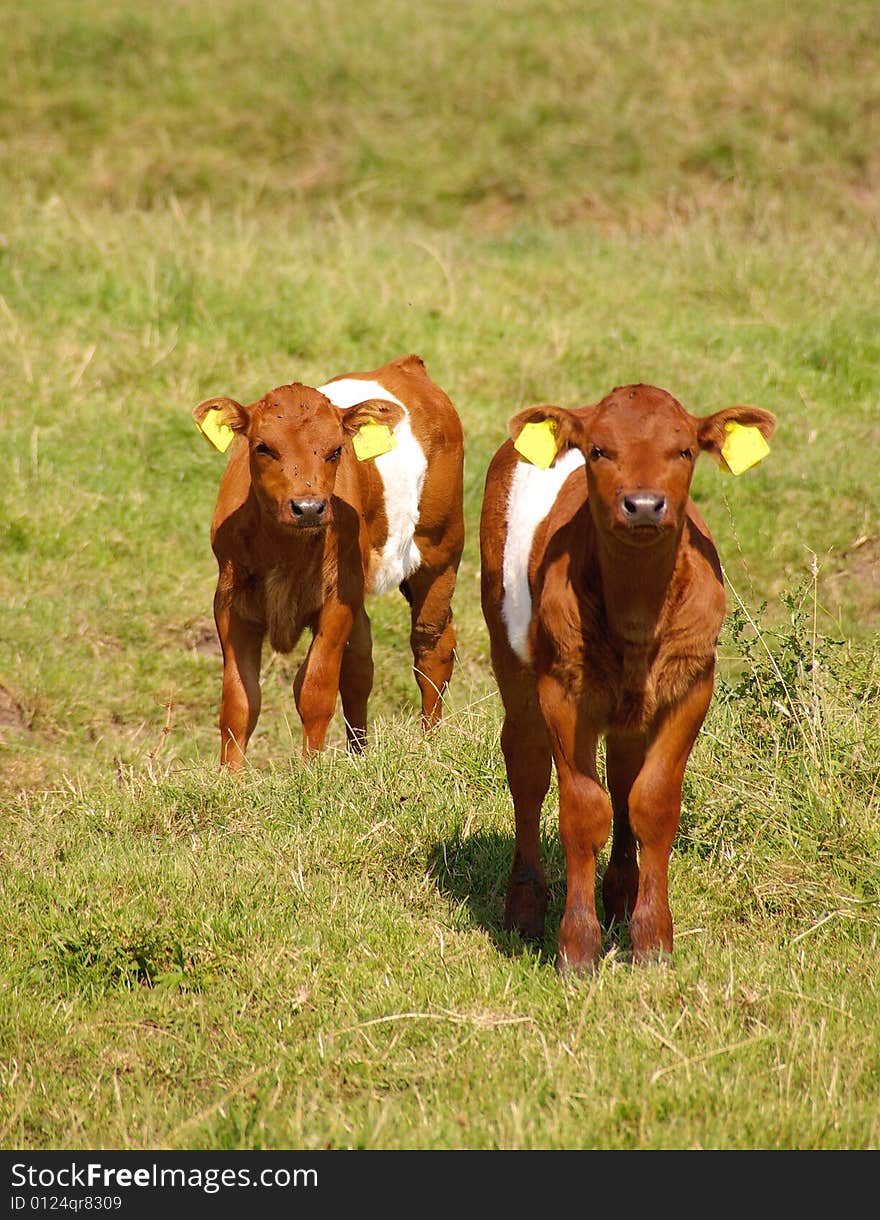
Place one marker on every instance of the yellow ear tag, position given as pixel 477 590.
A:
pixel 744 447
pixel 219 434
pixel 537 443
pixel 372 440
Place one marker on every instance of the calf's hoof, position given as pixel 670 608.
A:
pixel 651 937
pixel 577 968
pixel 526 907
pixel 652 957
pixel 580 946
pixel 620 888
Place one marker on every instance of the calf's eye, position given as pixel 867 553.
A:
pixel 335 455
pixel 596 453
pixel 263 449
pixel 687 454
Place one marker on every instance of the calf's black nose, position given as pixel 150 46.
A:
pixel 643 508
pixel 308 512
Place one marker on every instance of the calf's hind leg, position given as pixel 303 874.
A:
pixel 356 682
pixel 528 762
pixel 620 885
pixel 432 636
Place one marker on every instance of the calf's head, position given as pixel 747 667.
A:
pixel 640 446
pixel 296 438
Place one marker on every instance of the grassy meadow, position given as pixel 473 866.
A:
pixel 544 201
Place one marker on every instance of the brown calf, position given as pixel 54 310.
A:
pixel 603 595
pixel 304 528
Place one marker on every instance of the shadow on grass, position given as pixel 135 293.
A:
pixel 472 873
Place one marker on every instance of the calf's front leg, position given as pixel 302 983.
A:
pixel 654 815
pixel 316 685
pixel 241 642
pixel 584 825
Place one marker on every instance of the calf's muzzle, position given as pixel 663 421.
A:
pixel 643 508
pixel 309 513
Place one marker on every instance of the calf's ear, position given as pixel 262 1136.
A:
pixel 736 437
pixel 371 411
pixel 219 419
pixel 542 432
pixel 370 425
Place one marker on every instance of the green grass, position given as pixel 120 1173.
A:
pixel 544 201
pixel 210 964
pixel 452 111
